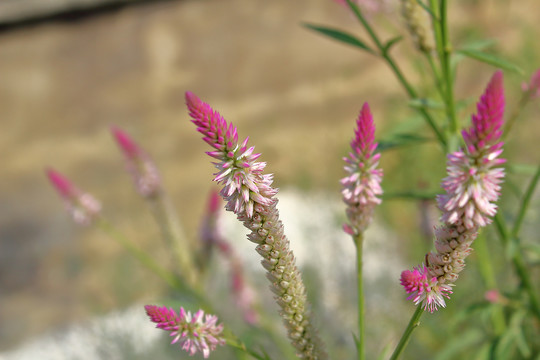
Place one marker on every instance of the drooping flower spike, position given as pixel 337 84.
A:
pixel 197 333
pixel 250 195
pixel 83 207
pixel 143 170
pixel 472 188
pixel 362 185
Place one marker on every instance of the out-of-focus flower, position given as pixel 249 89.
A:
pixel 250 195
pixel 82 206
pixel 140 166
pixel 419 24
pixel 362 185
pixel 532 88
pixel 472 187
pixel 195 333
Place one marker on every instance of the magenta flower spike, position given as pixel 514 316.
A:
pixel 197 333
pixel 142 169
pixel 83 207
pixel 362 185
pixel 250 195
pixel 472 188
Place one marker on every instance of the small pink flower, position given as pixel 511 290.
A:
pixel 83 207
pixel 197 333
pixel 493 296
pixel 361 187
pixel 533 87
pixel 424 290
pixel 140 166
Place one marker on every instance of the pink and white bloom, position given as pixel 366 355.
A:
pixel 197 333
pixel 472 188
pixel 139 165
pixel 473 182
pixel 362 185
pixel 83 207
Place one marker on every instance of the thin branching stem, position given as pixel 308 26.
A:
pixel 413 324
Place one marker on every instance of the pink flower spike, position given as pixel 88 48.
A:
pixel 83 207
pixel 142 169
pixel 533 87
pixel 197 333
pixel 361 187
pixel 486 123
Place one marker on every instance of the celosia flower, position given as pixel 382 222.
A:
pixel 83 207
pixel 472 187
pixel 419 24
pixel 362 185
pixel 532 89
pixel 197 333
pixel 249 194
pixel 473 182
pixel 140 166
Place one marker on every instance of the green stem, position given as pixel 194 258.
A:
pixel 525 203
pixel 413 324
pixel 390 61
pixel 174 237
pixel 515 114
pixel 447 74
pixel 486 269
pixel 359 240
pixel 519 265
pixel 140 255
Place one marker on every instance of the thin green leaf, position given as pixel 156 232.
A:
pixel 479 44
pixel 426 104
pixel 410 195
pixel 490 59
pixel 401 140
pixel 459 344
pixel 428 10
pixel 340 36
pixel 391 43
pixel 483 353
pixel 521 169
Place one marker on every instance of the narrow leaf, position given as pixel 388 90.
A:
pixel 340 36
pixel 401 140
pixel 428 10
pixel 426 104
pixel 490 59
pixel 391 43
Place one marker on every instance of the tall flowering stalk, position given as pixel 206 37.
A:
pixel 148 184
pixel 249 194
pixel 362 185
pixel 472 188
pixel 361 188
pixel 197 333
pixel 83 207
